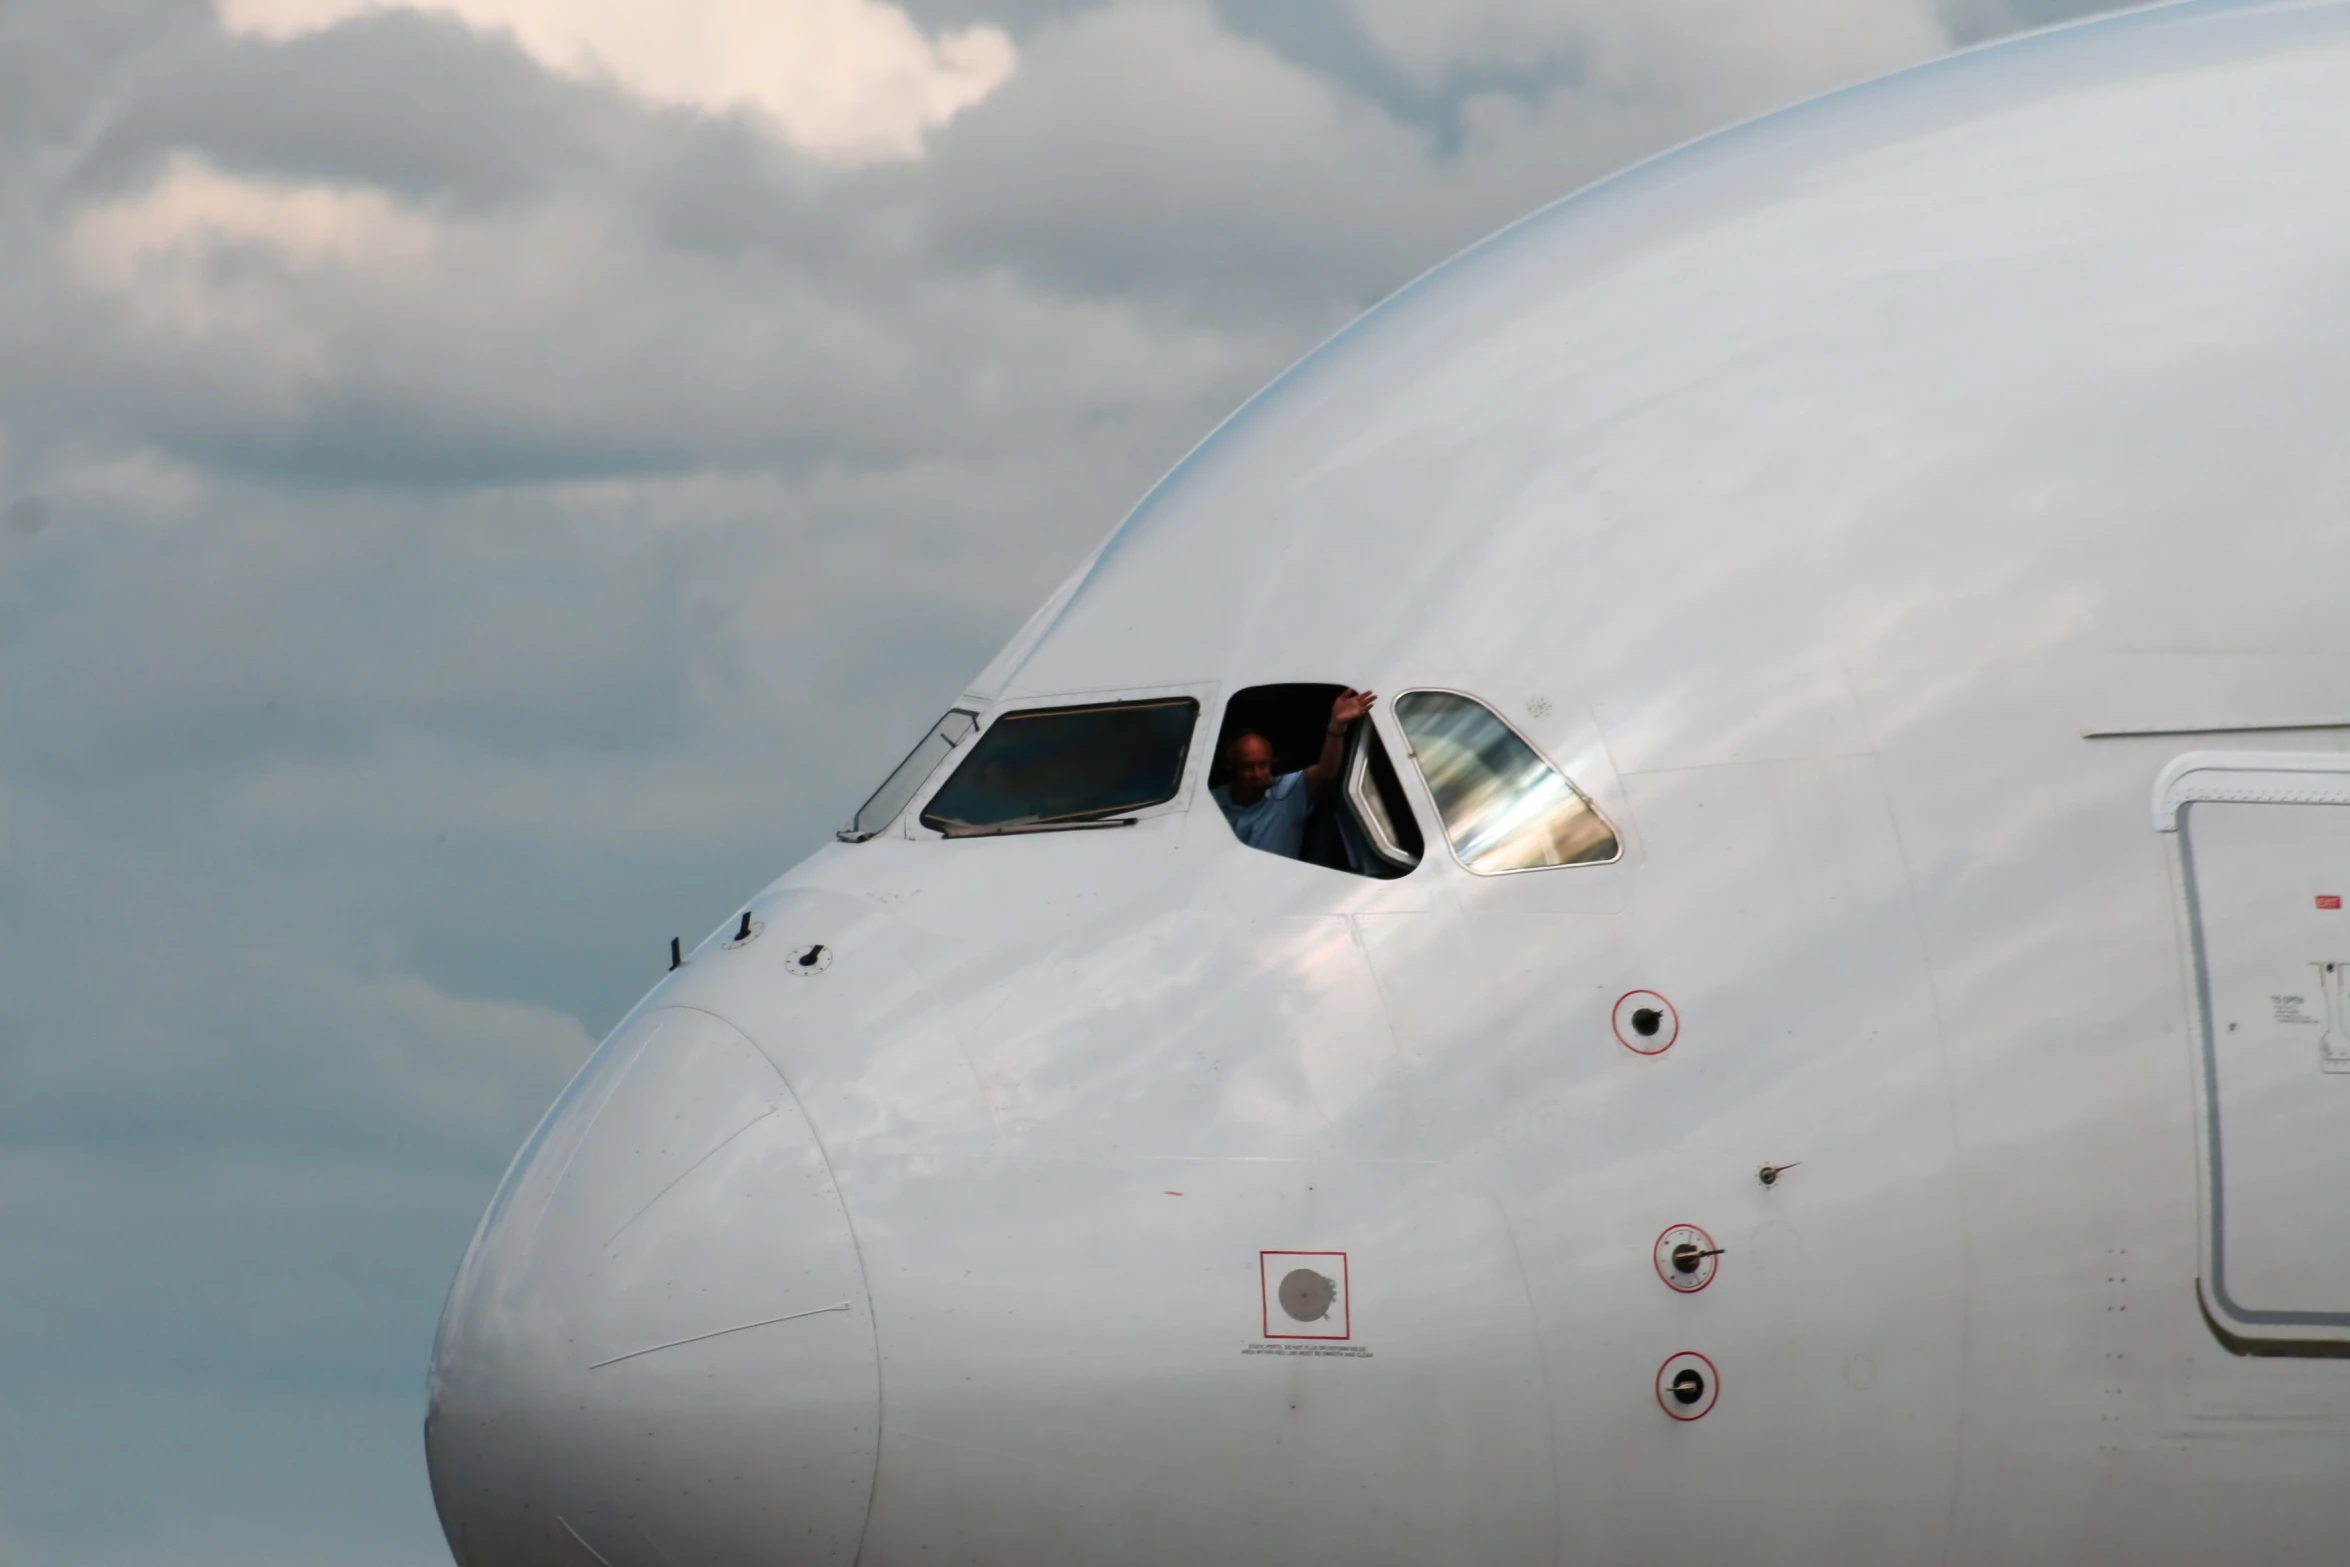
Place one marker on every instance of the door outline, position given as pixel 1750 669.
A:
pixel 2238 778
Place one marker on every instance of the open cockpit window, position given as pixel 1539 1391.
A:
pixel 882 809
pixel 1294 778
pixel 1037 769
pixel 1382 838
pixel 1504 807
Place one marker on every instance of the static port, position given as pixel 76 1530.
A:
pixel 1644 1022
pixel 1688 1386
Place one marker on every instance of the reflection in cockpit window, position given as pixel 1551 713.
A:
pixel 1504 807
pixel 1064 766
pixel 899 786
pixel 1380 836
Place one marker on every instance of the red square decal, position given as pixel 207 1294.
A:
pixel 2329 900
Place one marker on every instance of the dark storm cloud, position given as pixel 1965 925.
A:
pixel 412 103
pixel 58 63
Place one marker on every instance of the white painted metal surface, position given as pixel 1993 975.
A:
pixel 1807 495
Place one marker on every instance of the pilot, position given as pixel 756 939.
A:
pixel 1269 813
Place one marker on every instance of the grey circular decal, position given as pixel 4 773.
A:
pixel 1306 1295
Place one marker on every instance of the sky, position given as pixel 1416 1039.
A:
pixel 485 485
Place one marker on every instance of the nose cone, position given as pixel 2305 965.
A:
pixel 659 1350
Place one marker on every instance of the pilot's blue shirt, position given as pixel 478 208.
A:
pixel 1276 823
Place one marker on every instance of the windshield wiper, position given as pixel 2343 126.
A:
pixel 1010 828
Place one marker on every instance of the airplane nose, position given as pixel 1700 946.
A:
pixel 659 1351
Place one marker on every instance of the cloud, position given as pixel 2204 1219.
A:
pixel 1720 44
pixel 340 332
pixel 410 103
pixel 1174 151
pixel 197 254
pixel 848 79
pixel 193 215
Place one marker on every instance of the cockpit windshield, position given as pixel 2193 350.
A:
pixel 1504 807
pixel 909 775
pixel 1067 766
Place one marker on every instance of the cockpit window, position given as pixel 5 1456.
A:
pixel 1504 807
pixel 882 809
pixel 1327 795
pixel 1066 766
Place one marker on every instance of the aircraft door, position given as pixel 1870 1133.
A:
pixel 2264 861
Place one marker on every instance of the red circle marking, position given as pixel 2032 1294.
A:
pixel 1643 1047
pixel 1713 1388
pixel 1656 1251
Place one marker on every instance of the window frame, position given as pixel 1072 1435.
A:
pixel 1354 782
pixel 1194 761
pixel 1427 796
pixel 852 833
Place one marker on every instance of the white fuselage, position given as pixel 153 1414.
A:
pixel 1806 495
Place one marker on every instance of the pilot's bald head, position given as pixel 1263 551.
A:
pixel 1251 757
